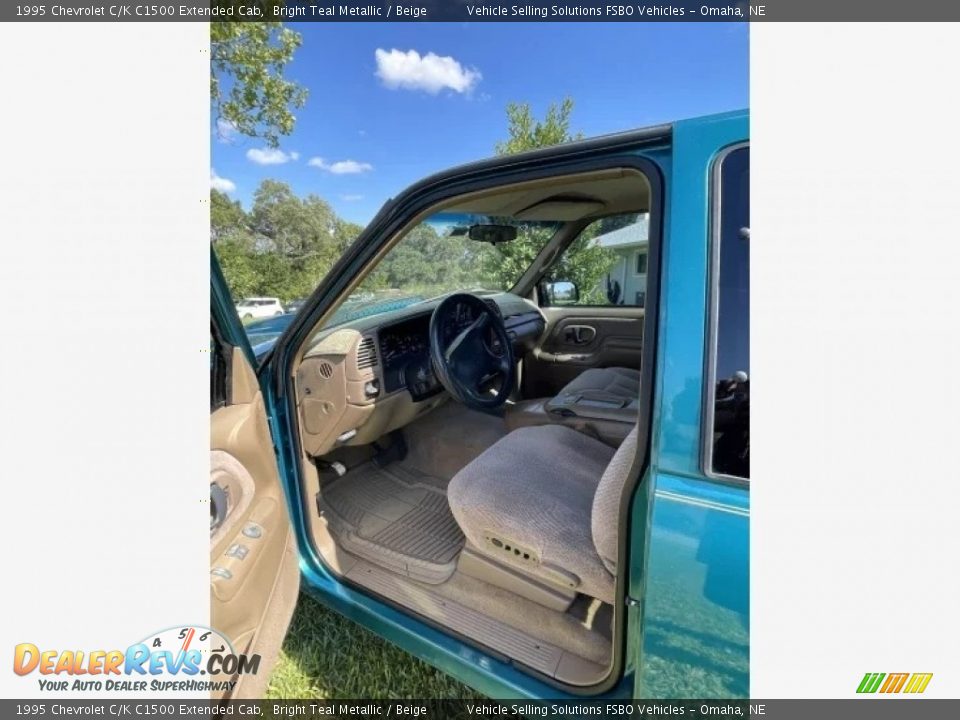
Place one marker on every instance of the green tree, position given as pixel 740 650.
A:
pixel 583 262
pixel 282 247
pixel 345 233
pixel 528 133
pixel 295 240
pixel 227 218
pixel 294 228
pixel 239 266
pixel 247 87
pixel 231 236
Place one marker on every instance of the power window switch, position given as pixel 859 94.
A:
pixel 220 572
pixel 237 551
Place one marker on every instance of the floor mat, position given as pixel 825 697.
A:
pixel 442 442
pixel 394 517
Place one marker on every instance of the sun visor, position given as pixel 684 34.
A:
pixel 561 208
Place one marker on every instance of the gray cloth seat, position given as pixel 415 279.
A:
pixel 545 501
pixel 615 383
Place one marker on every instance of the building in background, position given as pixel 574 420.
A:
pixel 626 281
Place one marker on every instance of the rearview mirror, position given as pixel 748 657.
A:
pixel 561 292
pixel 493 234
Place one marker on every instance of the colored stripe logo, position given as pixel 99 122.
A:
pixel 888 683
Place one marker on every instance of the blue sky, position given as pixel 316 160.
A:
pixel 376 122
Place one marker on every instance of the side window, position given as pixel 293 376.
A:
pixel 605 265
pixel 730 358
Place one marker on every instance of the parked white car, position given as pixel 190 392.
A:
pixel 259 307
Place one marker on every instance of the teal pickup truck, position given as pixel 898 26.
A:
pixel 534 475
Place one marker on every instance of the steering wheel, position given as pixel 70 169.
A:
pixel 466 363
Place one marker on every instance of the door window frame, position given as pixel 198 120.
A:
pixel 220 368
pixel 713 320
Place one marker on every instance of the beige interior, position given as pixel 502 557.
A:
pixel 539 619
pixel 331 377
pixel 568 197
pixel 335 408
pixel 251 598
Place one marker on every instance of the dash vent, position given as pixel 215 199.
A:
pixel 325 370
pixel 366 354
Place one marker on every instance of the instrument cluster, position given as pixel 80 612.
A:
pixel 396 346
pixel 405 348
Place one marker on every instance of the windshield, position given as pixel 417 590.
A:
pixel 437 258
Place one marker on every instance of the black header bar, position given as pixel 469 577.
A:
pixel 432 709
pixel 479 11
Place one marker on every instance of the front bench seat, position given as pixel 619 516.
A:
pixel 545 501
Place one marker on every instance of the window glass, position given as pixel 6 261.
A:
pixel 605 265
pixel 641 263
pixel 731 411
pixel 440 256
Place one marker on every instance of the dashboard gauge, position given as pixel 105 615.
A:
pixel 388 346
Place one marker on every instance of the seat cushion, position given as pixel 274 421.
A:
pixel 533 491
pixel 618 382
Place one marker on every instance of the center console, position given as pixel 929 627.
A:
pixel 603 416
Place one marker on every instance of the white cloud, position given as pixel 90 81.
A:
pixel 431 72
pixel 351 198
pixel 270 156
pixel 350 167
pixel 221 184
pixel 340 167
pixel 226 130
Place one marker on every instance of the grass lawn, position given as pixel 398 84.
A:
pixel 325 655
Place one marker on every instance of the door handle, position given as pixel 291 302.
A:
pixel 579 334
pixel 218 506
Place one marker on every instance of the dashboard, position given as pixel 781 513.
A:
pixel 405 349
pixel 405 356
pixel 363 379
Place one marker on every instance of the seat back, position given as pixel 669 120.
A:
pixel 605 513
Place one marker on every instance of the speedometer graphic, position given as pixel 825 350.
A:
pixel 182 641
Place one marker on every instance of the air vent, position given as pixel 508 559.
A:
pixel 325 370
pixel 366 354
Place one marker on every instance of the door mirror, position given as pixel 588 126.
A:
pixel 561 292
